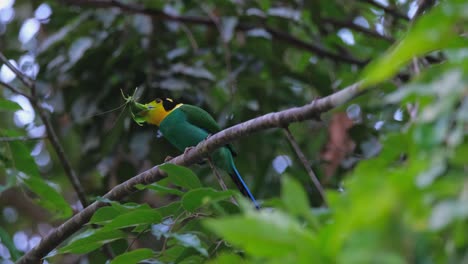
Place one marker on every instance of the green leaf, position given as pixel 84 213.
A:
pixel 191 241
pixel 123 207
pixel 22 159
pixel 160 189
pixel 170 209
pixel 172 253
pixel 104 215
pixel 134 218
pixel 432 31
pixel 294 197
pixel 126 207
pixel 460 156
pixel 197 198
pixel 134 256
pixel 295 200
pixel 296 60
pixel 226 258
pixel 266 234
pixel 7 105
pixel 91 240
pixel 27 172
pixel 49 198
pixel 181 176
pixel 10 181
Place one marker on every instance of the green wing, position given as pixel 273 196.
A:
pixel 200 118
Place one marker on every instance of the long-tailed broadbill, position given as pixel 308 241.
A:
pixel 185 126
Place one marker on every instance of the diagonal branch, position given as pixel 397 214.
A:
pixel 306 164
pixel 423 6
pixel 51 135
pixel 11 139
pixel 388 10
pixel 221 182
pixel 28 82
pixel 195 20
pixel 14 89
pixel 192 156
pixel 351 25
pixel 24 78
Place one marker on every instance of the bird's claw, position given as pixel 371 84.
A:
pixel 187 150
pixel 168 158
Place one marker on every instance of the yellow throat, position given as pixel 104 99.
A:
pixel 160 109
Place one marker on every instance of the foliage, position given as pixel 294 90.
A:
pixel 395 177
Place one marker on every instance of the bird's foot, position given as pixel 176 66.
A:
pixel 207 137
pixel 168 158
pixel 187 150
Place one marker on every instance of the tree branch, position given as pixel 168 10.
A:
pixel 49 128
pixel 194 20
pixel 51 135
pixel 221 182
pixel 351 25
pixel 24 78
pixel 14 89
pixel 388 10
pixel 192 156
pixel 306 164
pixel 62 156
pixel 11 139
pixel 423 5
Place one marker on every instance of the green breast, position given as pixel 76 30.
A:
pixel 182 134
pixel 179 132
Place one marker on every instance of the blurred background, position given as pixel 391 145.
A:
pixel 237 59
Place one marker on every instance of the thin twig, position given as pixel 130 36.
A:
pixel 50 132
pixel 319 51
pixel 423 5
pixel 130 245
pixel 166 238
pixel 351 25
pixel 73 178
pixel 190 37
pixel 415 67
pixel 62 156
pixel 388 10
pixel 24 78
pixel 218 177
pixel 218 244
pixel 413 108
pixel 11 139
pixel 306 164
pixel 14 89
pixel 220 180
pixel 52 136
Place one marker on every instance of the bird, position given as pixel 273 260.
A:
pixel 184 126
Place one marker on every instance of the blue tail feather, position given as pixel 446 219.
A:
pixel 236 177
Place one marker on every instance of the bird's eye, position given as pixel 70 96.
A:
pixel 158 101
